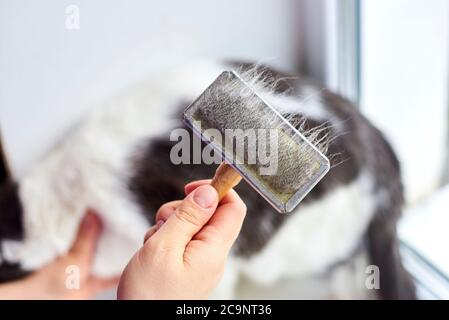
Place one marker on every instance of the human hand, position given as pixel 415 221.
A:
pixel 184 254
pixel 52 281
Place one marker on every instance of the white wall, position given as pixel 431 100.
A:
pixel 50 75
pixel 405 64
pixel 330 45
pixel 320 40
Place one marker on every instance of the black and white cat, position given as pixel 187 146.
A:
pixel 117 162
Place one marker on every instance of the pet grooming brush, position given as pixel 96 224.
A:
pixel 230 106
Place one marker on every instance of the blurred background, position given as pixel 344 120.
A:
pixel 391 57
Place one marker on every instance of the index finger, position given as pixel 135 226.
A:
pixel 87 236
pixel 195 184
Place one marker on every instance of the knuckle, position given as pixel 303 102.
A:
pixel 154 247
pixel 166 210
pixel 188 215
pixel 159 253
pixel 148 257
pixel 162 212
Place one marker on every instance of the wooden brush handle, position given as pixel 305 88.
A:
pixel 225 179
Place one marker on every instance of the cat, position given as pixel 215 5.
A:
pixel 117 162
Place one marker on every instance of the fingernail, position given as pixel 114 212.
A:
pixel 159 224
pixel 205 196
pixel 89 219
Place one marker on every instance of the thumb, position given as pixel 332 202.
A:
pixel 189 217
